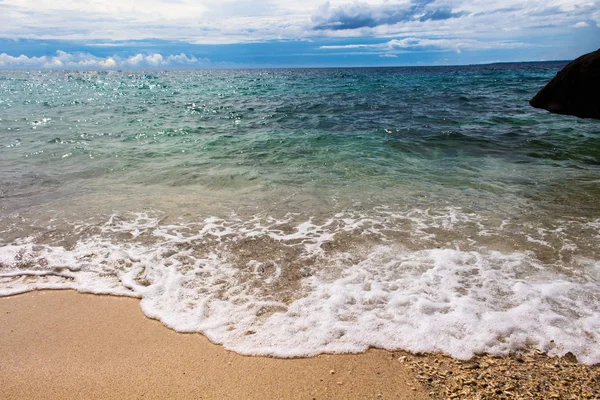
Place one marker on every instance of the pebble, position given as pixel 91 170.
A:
pixel 531 375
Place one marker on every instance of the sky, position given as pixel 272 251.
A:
pixel 163 34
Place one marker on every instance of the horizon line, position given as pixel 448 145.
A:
pixel 233 68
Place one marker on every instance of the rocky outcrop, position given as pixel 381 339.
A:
pixel 575 90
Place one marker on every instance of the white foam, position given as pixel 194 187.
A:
pixel 445 300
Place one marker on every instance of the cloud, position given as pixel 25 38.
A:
pixel 64 60
pixel 207 21
pixel 191 24
pixel 395 46
pixel 581 24
pixel 184 59
pixel 107 63
pixel 364 15
pixel 243 21
pixel 154 59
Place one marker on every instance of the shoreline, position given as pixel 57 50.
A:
pixel 65 344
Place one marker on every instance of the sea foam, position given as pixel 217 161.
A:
pixel 295 288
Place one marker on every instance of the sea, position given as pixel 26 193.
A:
pixel 293 212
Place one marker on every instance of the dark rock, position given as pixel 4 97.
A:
pixel 570 357
pixel 575 90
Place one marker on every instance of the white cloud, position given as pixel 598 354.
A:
pixel 135 60
pixel 154 60
pixel 396 46
pixel 237 21
pixel 581 24
pixel 108 63
pixel 182 59
pixel 89 61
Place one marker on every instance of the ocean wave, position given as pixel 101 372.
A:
pixel 295 287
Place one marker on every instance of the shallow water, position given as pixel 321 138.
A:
pixel 293 212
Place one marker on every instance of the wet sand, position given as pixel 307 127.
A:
pixel 66 345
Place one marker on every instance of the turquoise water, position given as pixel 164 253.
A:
pixel 429 209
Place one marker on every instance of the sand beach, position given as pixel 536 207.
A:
pixel 67 345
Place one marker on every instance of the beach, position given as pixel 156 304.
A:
pixel 273 218
pixel 61 344
pixel 349 199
